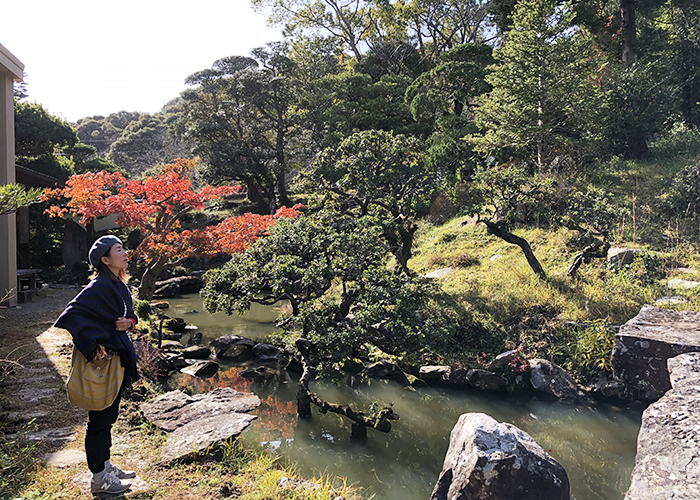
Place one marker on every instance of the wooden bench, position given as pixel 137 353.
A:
pixel 27 284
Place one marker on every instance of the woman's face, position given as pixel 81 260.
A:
pixel 116 258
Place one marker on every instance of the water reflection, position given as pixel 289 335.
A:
pixel 596 446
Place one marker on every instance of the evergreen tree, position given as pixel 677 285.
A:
pixel 545 98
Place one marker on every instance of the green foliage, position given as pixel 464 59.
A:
pixel 14 196
pixel 143 309
pixel 332 270
pixel 101 131
pixel 39 133
pixel 377 173
pixel 507 195
pixel 98 165
pixel 684 197
pixel 544 101
pixel 17 463
pixel 240 115
pixel 646 268
pixel 357 102
pixel 594 344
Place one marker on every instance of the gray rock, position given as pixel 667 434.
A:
pixel 646 342
pixel 681 284
pixel 432 374
pixel 258 373
pixel 171 345
pixel 668 447
pixel 260 350
pixel 289 483
pixel 550 378
pixel 166 291
pixel 609 391
pixel 176 361
pixel 456 378
pixel 485 380
pixel 376 370
pixel 177 325
pixel 275 361
pixel 195 339
pixel 621 256
pixel 175 409
pixel 223 344
pixel 502 361
pixel 196 352
pixel 491 461
pixel 676 299
pixel 183 284
pixel 200 434
pixel 439 273
pixel 203 369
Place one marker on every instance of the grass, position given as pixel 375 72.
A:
pixel 492 280
pixel 225 470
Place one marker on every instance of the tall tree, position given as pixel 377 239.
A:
pixel 41 140
pixel 240 115
pixel 345 20
pixel 545 99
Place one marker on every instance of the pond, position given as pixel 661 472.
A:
pixel 596 445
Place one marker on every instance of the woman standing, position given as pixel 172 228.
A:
pixel 98 319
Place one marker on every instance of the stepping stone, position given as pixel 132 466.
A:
pixel 439 273
pixel 65 458
pixel 680 284
pixel 33 394
pixel 54 437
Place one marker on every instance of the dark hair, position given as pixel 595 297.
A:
pixel 102 268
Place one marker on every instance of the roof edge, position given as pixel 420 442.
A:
pixel 9 62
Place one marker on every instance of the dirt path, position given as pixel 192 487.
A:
pixel 33 401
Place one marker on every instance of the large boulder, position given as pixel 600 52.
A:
pixel 202 369
pixel 183 284
pixel 196 352
pixel 668 446
pixel 485 380
pixel 223 344
pixel 432 374
pixel 175 409
pixel 200 434
pixel 620 256
pixel 491 461
pixel 551 379
pixel 646 342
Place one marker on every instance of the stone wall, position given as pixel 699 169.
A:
pixel 668 446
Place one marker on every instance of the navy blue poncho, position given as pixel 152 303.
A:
pixel 90 318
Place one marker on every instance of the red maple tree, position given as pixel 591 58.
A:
pixel 155 205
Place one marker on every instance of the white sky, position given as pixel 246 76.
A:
pixel 85 58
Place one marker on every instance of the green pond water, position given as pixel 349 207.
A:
pixel 596 445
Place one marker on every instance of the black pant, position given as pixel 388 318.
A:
pixel 98 437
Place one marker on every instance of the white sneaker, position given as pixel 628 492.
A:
pixel 120 474
pixel 108 484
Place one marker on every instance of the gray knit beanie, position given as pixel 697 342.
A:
pixel 100 248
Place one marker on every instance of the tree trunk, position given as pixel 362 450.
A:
pixel 628 31
pixel 303 398
pixel 495 230
pixel 148 282
pixel 596 249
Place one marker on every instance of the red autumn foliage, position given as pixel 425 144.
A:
pixel 155 206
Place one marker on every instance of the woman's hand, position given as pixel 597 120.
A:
pixel 123 324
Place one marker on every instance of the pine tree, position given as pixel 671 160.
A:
pixel 545 94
